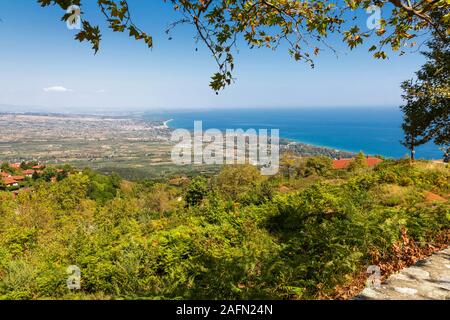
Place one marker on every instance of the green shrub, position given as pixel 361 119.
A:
pixel 237 239
pixel 196 191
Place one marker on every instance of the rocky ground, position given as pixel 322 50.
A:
pixel 428 279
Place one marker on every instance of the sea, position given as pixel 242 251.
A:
pixel 373 130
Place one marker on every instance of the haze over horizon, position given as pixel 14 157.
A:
pixel 9 108
pixel 42 65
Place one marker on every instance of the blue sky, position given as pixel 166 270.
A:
pixel 38 52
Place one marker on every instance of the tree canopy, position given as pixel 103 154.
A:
pixel 302 25
pixel 427 97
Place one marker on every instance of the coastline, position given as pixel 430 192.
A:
pixel 294 142
pixel 166 123
pixel 307 149
pixel 375 131
pixel 302 148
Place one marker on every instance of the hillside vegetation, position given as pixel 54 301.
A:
pixel 309 232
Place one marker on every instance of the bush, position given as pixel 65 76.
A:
pixel 358 164
pixel 196 191
pixel 237 239
pixel 235 181
pixel 318 165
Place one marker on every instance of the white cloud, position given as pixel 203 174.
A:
pixel 100 91
pixel 57 89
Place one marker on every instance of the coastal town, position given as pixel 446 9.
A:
pixel 132 145
pixel 95 141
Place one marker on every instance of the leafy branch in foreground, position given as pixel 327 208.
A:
pixel 302 25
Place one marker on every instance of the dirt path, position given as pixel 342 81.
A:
pixel 427 279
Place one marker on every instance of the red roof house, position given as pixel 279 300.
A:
pixel 372 161
pixel 343 163
pixel 28 172
pixel 9 182
pixel 4 174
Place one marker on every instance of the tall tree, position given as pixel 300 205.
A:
pixel 415 121
pixel 302 25
pixel 427 108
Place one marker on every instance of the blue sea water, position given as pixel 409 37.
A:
pixel 375 131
